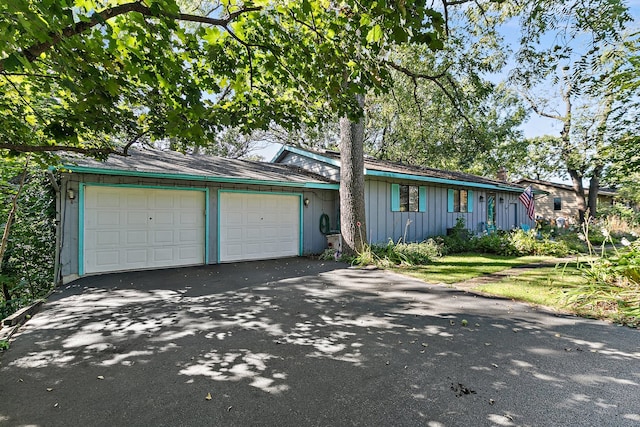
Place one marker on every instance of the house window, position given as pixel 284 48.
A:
pixel 557 203
pixel 408 198
pixel 459 200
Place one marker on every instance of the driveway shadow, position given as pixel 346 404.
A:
pixel 303 342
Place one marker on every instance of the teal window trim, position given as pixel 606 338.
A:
pixel 277 193
pixel 453 193
pixel 395 197
pixel 423 199
pixel 81 206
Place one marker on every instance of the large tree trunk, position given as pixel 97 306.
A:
pixel 578 189
pixel 594 187
pixel 352 209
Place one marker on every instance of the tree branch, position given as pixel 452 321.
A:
pixel 54 38
pixel 436 80
pixel 56 148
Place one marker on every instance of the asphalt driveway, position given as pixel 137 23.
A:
pixel 299 342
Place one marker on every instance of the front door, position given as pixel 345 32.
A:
pixel 491 212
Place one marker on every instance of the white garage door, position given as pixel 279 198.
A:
pixel 258 226
pixel 136 228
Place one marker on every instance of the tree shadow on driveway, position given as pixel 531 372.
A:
pixel 302 342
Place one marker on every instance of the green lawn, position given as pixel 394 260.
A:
pixel 543 286
pixel 461 267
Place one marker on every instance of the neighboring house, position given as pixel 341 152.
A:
pixel 158 209
pixel 561 201
pixel 413 203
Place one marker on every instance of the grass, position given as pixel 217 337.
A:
pixel 542 286
pixel 460 267
pixel 546 285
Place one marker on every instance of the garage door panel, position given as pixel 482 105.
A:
pixel 162 255
pixel 108 200
pixel 133 218
pixel 188 236
pixel 135 228
pixel 251 226
pixel 189 218
pixel 134 257
pixel 164 237
pixel 107 238
pixel 106 218
pixel 132 201
pixel 135 237
pixel 107 258
pixel 164 218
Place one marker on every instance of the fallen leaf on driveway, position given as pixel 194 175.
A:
pixel 49 389
pixel 208 397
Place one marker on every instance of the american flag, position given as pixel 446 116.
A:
pixel 527 200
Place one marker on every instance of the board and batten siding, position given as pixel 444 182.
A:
pixel 320 168
pixel 314 242
pixel 383 224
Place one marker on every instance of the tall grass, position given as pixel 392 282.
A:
pixel 612 281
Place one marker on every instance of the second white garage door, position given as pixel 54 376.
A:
pixel 258 226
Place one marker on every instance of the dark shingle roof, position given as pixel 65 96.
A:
pixel 152 161
pixel 601 191
pixel 372 164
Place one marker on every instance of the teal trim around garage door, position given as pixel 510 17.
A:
pixel 81 201
pixel 278 193
pixel 81 230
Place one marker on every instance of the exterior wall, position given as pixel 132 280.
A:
pixel 320 201
pixel 545 206
pixel 384 224
pixel 324 169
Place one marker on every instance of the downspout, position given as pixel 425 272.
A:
pixel 56 265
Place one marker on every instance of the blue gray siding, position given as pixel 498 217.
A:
pixel 323 169
pixel 384 225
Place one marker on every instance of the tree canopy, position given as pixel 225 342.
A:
pixel 95 76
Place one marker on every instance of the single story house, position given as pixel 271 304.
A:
pixel 413 203
pixel 560 201
pixel 157 209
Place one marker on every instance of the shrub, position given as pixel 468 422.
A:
pixel 457 240
pixel 408 253
pixel 496 243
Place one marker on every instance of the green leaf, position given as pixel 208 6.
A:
pixel 375 34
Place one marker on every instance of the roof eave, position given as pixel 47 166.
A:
pixel 204 178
